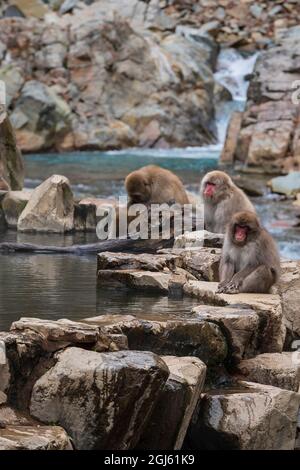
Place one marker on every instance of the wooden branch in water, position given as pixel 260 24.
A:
pixel 131 244
pixel 118 245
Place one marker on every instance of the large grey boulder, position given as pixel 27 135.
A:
pixel 102 400
pixel 176 337
pixel 50 208
pixel 248 416
pixel 170 419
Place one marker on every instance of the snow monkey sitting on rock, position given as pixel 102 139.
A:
pixel 154 185
pixel 222 198
pixel 250 261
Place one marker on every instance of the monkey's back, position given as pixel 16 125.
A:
pixel 166 186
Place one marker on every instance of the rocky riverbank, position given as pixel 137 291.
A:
pixel 59 378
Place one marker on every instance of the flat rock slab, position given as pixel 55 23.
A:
pixel 240 326
pixel 103 400
pixel 280 370
pixel 199 238
pixel 145 280
pixel 267 307
pixel 61 333
pixel 61 330
pixel 249 417
pixel 170 419
pixel 203 263
pixel 34 438
pixel 144 261
pixel 187 337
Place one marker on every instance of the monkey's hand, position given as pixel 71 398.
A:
pixel 233 287
pixel 221 287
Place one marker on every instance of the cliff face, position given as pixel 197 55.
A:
pixel 96 80
pixel 266 137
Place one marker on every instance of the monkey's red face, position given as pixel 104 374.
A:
pixel 209 189
pixel 240 233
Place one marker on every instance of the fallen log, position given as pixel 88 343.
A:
pixel 118 245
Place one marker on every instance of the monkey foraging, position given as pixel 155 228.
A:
pixel 154 185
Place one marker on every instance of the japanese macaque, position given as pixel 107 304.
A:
pixel 250 261
pixel 154 185
pixel 222 198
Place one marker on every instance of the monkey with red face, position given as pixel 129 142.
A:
pixel 222 198
pixel 250 260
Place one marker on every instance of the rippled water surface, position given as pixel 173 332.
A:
pixel 64 286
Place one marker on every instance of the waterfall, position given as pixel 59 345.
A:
pixel 232 70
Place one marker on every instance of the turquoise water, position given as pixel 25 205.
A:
pixel 102 173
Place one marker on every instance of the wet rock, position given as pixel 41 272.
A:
pixel 13 205
pixel 83 393
pixel 240 326
pixel 202 263
pixel 50 207
pixel 10 157
pixel 61 333
pixel 170 419
pixel 34 438
pixel 249 416
pixel 21 353
pixel 200 238
pixel 289 290
pixel 64 331
pixel 188 337
pixel 288 185
pixel 144 261
pixel 233 130
pixel 145 280
pixel 267 306
pixel 279 370
pixel 85 217
pixel 47 117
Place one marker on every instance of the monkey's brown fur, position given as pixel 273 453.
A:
pixel 154 185
pixel 250 260
pixel 222 201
